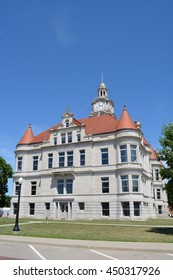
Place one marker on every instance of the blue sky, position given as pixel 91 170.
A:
pixel 52 54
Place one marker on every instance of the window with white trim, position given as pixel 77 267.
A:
pixel 123 153
pixel 50 160
pixel 69 137
pixel 61 159
pixel 133 149
pixel 81 206
pixel 105 184
pixel 35 162
pixel 19 164
pixel 125 183
pixel 82 157
pixel 65 186
pixel 104 156
pixel 105 208
pixel 70 158
pixel 135 183
pixel 136 205
pixel 33 187
pixel 126 208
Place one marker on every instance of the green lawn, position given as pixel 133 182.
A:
pixel 159 230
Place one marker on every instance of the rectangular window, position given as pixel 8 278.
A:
pixel 35 162
pixel 105 208
pixel 135 183
pixel 105 156
pixel 60 186
pixel 126 208
pixel 61 159
pixel 81 205
pixel 33 188
pixel 31 208
pixel 17 186
pixel 133 153
pixel 69 137
pixel 67 123
pixel 105 184
pixel 50 160
pixel 69 186
pixel 55 140
pixel 125 183
pixel 78 137
pixel 19 164
pixel 158 193
pixel 63 138
pixel 123 153
pixel 70 158
pixel 136 208
pixel 47 206
pixel 157 174
pixel 82 157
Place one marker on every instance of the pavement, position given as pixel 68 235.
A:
pixel 102 245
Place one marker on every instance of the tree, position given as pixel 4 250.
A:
pixel 166 154
pixel 5 174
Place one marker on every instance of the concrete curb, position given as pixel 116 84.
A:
pixel 99 245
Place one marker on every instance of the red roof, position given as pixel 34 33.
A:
pixel 44 136
pixel 100 124
pixel 153 153
pixel 27 137
pixel 93 125
pixel 125 121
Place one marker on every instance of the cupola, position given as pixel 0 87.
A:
pixel 102 91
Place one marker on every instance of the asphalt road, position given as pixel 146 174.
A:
pixel 29 250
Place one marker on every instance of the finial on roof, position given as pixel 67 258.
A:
pixel 29 126
pixel 102 77
pixel 27 137
pixel 138 124
pixel 67 109
pixel 67 113
pixel 125 121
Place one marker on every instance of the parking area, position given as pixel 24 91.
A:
pixel 29 250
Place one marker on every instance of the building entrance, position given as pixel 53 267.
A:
pixel 64 210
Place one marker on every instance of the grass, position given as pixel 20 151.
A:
pixel 160 230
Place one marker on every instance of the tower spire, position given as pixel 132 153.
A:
pixel 102 77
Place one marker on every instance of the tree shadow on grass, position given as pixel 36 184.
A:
pixel 162 230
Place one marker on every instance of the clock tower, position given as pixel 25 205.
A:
pixel 102 104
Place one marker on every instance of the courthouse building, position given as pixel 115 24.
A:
pixel 98 167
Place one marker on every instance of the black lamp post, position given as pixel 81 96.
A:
pixel 16 226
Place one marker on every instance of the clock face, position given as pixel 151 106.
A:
pixel 99 106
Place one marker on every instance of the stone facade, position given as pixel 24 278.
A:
pixel 93 168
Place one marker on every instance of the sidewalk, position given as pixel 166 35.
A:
pixel 102 245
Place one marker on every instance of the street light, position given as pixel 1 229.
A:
pixel 16 226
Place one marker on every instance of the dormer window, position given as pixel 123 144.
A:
pixel 67 123
pixel 67 118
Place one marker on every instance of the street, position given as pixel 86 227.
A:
pixel 28 251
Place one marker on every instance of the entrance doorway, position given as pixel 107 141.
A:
pixel 64 210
